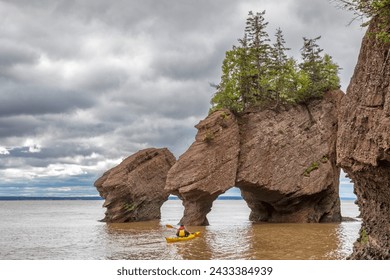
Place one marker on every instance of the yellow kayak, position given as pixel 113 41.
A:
pixel 177 239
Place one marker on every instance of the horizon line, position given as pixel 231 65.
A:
pixel 5 198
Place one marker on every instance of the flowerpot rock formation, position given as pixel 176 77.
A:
pixel 283 161
pixel 134 190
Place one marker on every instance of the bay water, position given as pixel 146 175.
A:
pixel 70 230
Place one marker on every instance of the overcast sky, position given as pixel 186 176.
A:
pixel 84 84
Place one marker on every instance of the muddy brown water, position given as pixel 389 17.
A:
pixel 70 230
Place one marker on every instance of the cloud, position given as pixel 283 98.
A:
pixel 4 151
pixel 37 100
pixel 12 54
pixel 84 84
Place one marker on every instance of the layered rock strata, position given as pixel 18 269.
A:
pixel 287 167
pixel 283 161
pixel 363 144
pixel 134 190
pixel 208 168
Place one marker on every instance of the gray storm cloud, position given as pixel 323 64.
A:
pixel 84 84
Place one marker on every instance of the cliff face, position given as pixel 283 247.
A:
pixel 287 166
pixel 208 168
pixel 284 163
pixel 363 144
pixel 134 190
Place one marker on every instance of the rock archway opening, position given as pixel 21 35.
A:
pixel 229 209
pixel 348 199
pixel 171 211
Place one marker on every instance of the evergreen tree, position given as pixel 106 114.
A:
pixel 311 65
pixel 281 68
pixel 246 68
pixel 329 74
pixel 258 51
pixel 319 74
pixel 312 59
pixel 254 73
pixel 228 91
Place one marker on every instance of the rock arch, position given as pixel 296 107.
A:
pixel 208 168
pixel 283 161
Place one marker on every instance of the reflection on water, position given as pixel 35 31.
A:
pixel 70 230
pixel 232 236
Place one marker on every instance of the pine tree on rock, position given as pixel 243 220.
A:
pixel 317 70
pixel 259 49
pixel 281 69
pixel 228 91
pixel 312 59
pixel 256 74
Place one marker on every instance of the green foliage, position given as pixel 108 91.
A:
pixel 245 68
pixel 229 88
pixel 129 207
pixel 365 8
pixel 363 236
pixel 223 120
pixel 321 72
pixel 370 9
pixel 324 159
pixel 257 56
pixel 224 116
pixel 313 166
pixel 258 74
pixel 281 69
pixel 209 136
pixel 329 73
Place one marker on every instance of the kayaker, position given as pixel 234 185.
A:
pixel 182 231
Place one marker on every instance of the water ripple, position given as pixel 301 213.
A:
pixel 70 230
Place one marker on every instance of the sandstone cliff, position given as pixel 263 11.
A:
pixel 363 144
pixel 284 163
pixel 208 168
pixel 287 166
pixel 134 190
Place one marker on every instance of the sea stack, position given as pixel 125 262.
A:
pixel 134 190
pixel 287 166
pixel 284 162
pixel 208 168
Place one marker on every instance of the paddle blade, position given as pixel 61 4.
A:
pixel 169 226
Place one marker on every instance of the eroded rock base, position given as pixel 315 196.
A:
pixel 372 186
pixel 134 190
pixel 275 207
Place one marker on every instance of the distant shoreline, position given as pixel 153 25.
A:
pixel 50 198
pixel 16 198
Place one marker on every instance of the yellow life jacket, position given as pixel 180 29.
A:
pixel 182 233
